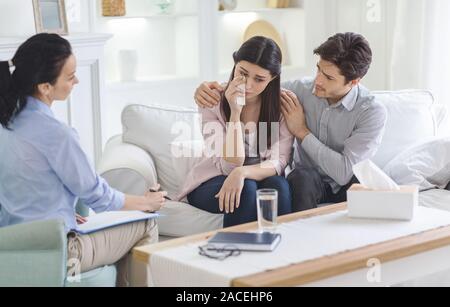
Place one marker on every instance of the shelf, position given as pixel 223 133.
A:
pixel 263 10
pixel 155 16
pixel 149 9
pixel 189 49
pixel 121 85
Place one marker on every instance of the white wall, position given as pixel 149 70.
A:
pixel 372 18
pixel 79 15
pixel 323 18
pixel 10 23
pixel 17 17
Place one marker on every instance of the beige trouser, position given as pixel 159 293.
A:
pixel 113 246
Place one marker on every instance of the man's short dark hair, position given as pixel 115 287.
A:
pixel 350 52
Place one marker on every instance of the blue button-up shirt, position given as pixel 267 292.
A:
pixel 44 171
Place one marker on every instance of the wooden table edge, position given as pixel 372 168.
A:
pixel 348 261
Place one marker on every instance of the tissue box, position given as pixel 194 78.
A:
pixel 379 204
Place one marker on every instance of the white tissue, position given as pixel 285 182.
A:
pixel 240 100
pixel 372 177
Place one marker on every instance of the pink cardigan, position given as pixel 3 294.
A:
pixel 210 167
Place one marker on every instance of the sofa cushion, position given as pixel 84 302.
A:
pixel 436 199
pixel 426 165
pixel 161 131
pixel 411 118
pixel 180 219
pixel 131 173
pixel 442 115
pixel 186 155
pixel 121 160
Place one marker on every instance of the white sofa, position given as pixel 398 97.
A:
pixel 142 155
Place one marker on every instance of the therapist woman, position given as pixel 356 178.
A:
pixel 44 171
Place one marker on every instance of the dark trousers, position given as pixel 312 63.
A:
pixel 309 190
pixel 204 198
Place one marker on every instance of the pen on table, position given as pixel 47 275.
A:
pixel 155 191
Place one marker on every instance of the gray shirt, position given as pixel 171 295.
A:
pixel 341 135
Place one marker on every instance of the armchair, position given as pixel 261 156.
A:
pixel 35 254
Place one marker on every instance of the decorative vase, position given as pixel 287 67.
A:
pixel 165 6
pixel 278 3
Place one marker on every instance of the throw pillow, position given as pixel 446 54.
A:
pixel 426 165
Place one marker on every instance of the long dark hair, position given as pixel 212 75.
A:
pixel 265 53
pixel 39 60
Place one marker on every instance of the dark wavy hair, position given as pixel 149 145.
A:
pixel 265 53
pixel 38 60
pixel 350 52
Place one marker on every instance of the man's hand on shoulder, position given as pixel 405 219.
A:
pixel 294 114
pixel 208 94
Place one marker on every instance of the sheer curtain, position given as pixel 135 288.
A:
pixel 421 47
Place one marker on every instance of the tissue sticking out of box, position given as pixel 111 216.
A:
pixel 372 177
pixel 240 100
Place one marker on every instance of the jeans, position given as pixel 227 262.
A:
pixel 204 198
pixel 309 190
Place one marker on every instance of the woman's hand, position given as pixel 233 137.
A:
pixel 150 202
pixel 153 201
pixel 208 94
pixel 155 198
pixel 232 93
pixel 80 219
pixel 230 194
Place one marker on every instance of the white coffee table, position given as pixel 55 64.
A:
pixel 401 259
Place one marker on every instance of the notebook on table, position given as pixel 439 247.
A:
pixel 245 241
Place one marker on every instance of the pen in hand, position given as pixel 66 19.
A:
pixel 156 198
pixel 159 190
